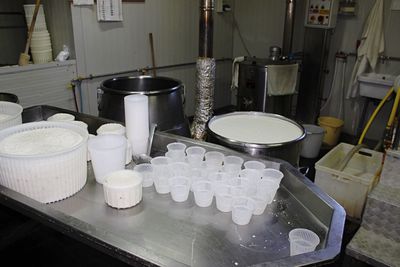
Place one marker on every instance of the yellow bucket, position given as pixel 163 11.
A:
pixel 333 128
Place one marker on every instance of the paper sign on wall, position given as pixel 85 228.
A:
pixel 109 10
pixel 83 2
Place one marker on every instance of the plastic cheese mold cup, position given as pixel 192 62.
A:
pixel 179 187
pixel 162 173
pixel 203 193
pixel 302 241
pixel 146 170
pixel 195 156
pixel 273 175
pixel 123 189
pixel 214 160
pixel 254 165
pixel 233 164
pixel 223 197
pixel 242 210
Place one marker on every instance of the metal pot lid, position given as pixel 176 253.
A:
pixel 146 85
pixel 255 129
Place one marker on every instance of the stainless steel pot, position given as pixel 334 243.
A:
pixel 289 151
pixel 165 101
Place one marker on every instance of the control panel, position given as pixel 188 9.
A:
pixel 321 13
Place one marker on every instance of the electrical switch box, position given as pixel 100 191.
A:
pixel 321 13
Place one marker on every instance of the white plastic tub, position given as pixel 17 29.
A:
pixel 47 177
pixel 351 186
pixel 13 111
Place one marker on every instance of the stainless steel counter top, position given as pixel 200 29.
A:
pixel 161 232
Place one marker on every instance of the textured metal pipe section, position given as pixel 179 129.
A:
pixel 206 28
pixel 204 96
pixel 289 26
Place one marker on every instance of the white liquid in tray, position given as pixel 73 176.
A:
pixel 4 117
pixel 40 141
pixel 256 129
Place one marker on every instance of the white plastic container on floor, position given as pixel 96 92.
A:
pixel 351 186
pixel 311 145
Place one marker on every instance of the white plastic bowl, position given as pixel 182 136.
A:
pixel 13 112
pixel 48 177
pixel 123 189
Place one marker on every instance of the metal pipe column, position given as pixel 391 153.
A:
pixel 289 26
pixel 205 71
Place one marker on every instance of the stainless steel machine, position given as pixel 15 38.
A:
pixel 254 93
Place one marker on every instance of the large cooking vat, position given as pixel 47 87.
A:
pixel 258 134
pixel 165 101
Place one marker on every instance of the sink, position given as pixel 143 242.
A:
pixel 375 85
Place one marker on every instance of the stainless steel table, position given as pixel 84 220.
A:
pixel 161 232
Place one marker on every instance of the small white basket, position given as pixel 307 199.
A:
pixel 49 177
pixel 14 111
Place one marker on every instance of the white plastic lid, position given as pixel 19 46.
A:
pixel 123 179
pixel 111 128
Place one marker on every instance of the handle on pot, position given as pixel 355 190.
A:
pixel 100 93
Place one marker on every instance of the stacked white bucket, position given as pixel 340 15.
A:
pixel 40 42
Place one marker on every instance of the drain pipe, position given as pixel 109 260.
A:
pixel 288 28
pixel 205 71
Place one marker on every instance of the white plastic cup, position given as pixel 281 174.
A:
pixel 242 210
pixel 253 175
pixel 195 156
pixel 180 169
pixel 272 174
pixel 162 173
pixel 175 157
pixel 219 178
pixel 233 164
pixel 198 174
pixel 107 153
pixel 214 160
pixel 137 122
pixel 260 203
pixel 203 193
pixel 146 170
pixel 254 165
pixel 267 188
pixel 179 187
pixel 242 187
pixel 302 241
pixel 176 149
pixel 223 197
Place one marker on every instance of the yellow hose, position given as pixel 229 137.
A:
pixel 394 109
pixel 376 111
